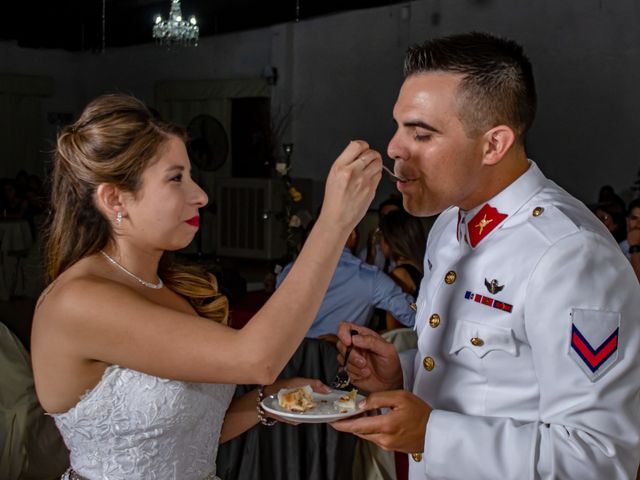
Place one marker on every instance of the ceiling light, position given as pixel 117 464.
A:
pixel 174 31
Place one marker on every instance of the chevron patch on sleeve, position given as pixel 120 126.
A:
pixel 594 341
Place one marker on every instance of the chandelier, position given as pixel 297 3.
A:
pixel 175 31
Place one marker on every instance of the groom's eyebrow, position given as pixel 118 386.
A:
pixel 417 123
pixel 421 124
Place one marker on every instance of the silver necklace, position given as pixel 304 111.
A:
pixel 131 274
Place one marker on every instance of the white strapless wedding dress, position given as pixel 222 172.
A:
pixel 134 426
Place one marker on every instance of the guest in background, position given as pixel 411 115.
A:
pixel 608 195
pixel 612 215
pixel 403 241
pixel 355 291
pixel 12 204
pixel 631 245
pixel 372 254
pixel 146 337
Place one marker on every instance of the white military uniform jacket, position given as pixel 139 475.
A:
pixel 529 342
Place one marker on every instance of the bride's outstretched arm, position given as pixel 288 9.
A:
pixel 134 331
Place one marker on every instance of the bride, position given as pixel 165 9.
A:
pixel 130 353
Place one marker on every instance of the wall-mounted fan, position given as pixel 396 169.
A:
pixel 208 142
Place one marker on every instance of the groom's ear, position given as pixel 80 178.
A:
pixel 497 142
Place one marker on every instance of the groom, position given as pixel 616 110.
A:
pixel 527 363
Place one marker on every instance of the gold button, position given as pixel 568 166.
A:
pixel 417 457
pixel 434 321
pixel 413 307
pixel 477 342
pixel 537 211
pixel 450 277
pixel 428 363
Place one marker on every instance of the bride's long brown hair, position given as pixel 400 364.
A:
pixel 115 139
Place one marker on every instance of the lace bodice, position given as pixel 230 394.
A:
pixel 136 426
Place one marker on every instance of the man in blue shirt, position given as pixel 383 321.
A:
pixel 355 291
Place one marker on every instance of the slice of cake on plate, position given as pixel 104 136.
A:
pixel 347 401
pixel 296 399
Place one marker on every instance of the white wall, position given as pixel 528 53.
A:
pixel 341 74
pixel 586 56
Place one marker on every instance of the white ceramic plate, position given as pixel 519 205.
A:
pixel 324 412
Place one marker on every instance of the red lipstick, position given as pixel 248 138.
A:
pixel 194 221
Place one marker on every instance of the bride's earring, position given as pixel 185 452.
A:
pixel 119 218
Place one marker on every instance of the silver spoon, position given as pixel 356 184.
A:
pixel 342 377
pixel 393 176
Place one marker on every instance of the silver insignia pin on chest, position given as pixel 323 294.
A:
pixel 493 286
